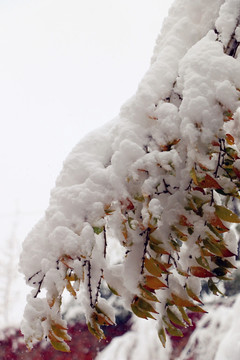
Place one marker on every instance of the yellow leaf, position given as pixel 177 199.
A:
pixel 60 346
pixel 226 214
pixel 194 176
pixel 60 332
pixel 71 289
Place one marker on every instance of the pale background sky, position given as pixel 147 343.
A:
pixel 66 67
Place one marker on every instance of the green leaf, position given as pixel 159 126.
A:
pixel 144 305
pixel 173 317
pixel 147 294
pixel 162 336
pixel 184 315
pixel 212 286
pixel 98 229
pixel 141 313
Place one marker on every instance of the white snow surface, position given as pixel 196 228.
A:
pixel 180 98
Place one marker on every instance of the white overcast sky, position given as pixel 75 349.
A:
pixel 66 67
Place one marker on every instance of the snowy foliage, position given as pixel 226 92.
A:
pixel 158 181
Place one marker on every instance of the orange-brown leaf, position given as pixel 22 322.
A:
pixel 230 139
pixel 179 301
pixel 154 283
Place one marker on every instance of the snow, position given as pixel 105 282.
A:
pixel 135 175
pixel 140 343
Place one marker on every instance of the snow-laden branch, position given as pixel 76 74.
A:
pixel 159 179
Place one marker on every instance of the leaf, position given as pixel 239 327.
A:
pixel 152 267
pixel 223 263
pixel 209 182
pixel 57 343
pixel 158 249
pixel 184 315
pixel 217 223
pixel 214 288
pixel 96 331
pixel 226 214
pixel 144 305
pixel 154 283
pixel 213 247
pixel 184 221
pixel 200 272
pixel 230 139
pixel 172 330
pixel 139 198
pixel 141 313
pixel 193 295
pixel 180 301
pixel 162 336
pixel 154 240
pixel 220 272
pixel 180 235
pixel 97 230
pixel 225 251
pixel 113 290
pixel 71 289
pixel 100 311
pixel 147 294
pixel 60 332
pixel 173 318
pixel 194 176
pixel 60 346
pixel 100 319
pixel 202 261
pixel 130 220
pixel 197 309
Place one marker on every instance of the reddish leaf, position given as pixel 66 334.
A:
pixel 209 182
pixel 200 272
